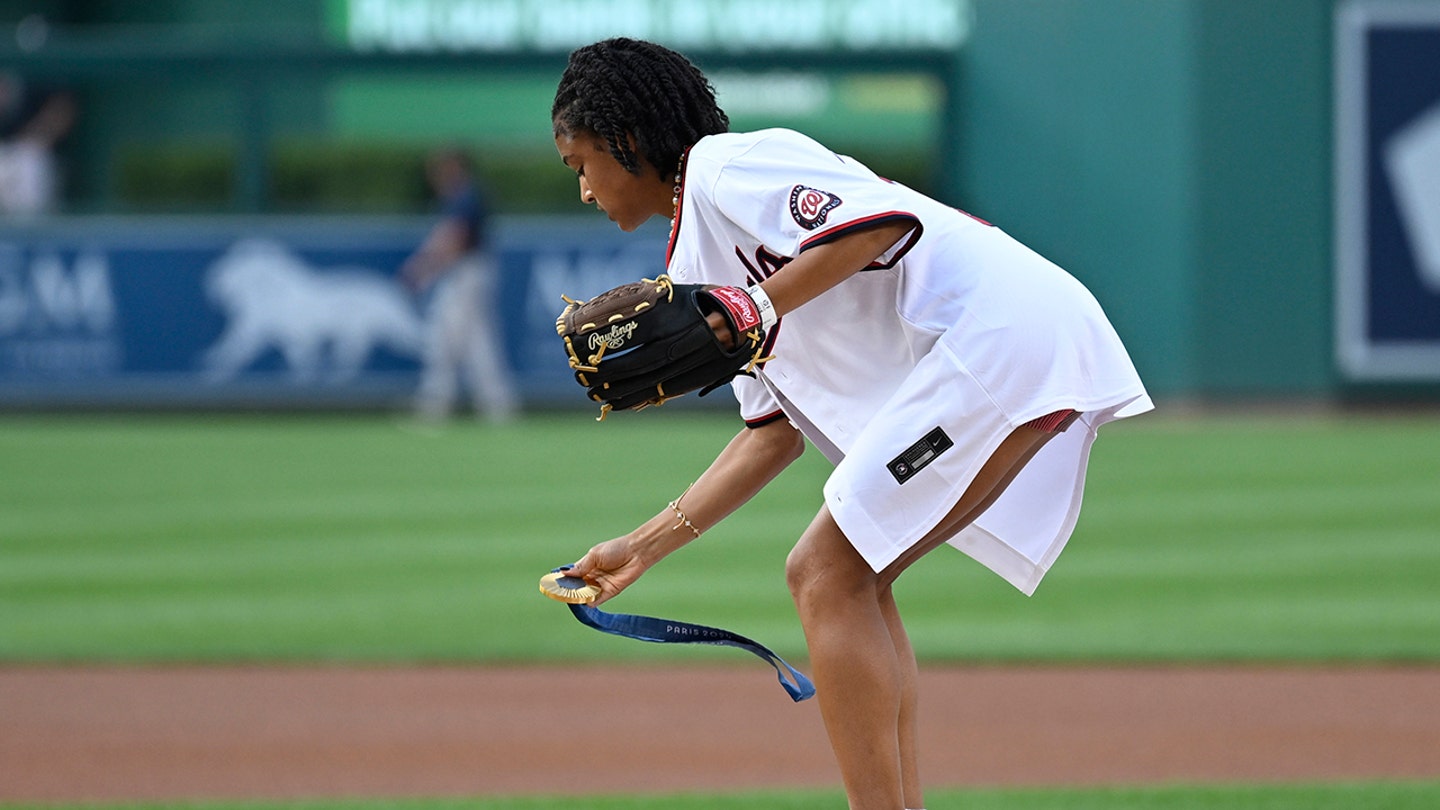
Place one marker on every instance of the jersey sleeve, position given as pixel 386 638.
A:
pixel 794 194
pixel 758 407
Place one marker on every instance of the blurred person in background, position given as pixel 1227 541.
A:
pixel 457 278
pixel 34 120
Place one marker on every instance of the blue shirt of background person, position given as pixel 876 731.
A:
pixel 463 227
pixel 465 203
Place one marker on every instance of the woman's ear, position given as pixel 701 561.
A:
pixel 643 166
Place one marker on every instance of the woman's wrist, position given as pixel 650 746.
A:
pixel 768 315
pixel 661 535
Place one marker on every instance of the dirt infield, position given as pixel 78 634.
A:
pixel 194 733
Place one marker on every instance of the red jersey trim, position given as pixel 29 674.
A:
pixel 870 222
pixel 762 421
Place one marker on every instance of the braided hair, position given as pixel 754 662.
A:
pixel 625 87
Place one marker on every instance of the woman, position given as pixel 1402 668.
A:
pixel 954 377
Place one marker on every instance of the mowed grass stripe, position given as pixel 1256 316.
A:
pixel 349 538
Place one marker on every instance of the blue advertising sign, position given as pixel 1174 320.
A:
pixel 1387 79
pixel 272 312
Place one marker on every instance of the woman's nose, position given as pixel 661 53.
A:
pixel 586 195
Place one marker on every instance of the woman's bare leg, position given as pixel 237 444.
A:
pixel 863 666
pixel 858 677
pixel 908 727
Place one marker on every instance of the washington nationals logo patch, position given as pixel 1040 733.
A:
pixel 810 206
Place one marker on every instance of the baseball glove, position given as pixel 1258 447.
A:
pixel 647 342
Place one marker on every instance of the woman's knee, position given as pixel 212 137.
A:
pixel 823 564
pixel 799 571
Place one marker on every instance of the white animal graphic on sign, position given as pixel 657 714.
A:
pixel 324 323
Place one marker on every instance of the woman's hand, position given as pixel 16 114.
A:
pixel 722 329
pixel 613 566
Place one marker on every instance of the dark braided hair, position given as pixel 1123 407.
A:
pixel 622 87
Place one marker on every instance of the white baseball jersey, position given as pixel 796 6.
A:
pixel 909 373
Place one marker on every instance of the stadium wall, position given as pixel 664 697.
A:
pixel 1177 157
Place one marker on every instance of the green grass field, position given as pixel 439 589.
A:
pixel 350 539
pixel 261 539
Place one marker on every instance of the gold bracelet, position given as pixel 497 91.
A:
pixel 684 521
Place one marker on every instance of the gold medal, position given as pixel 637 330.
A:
pixel 571 590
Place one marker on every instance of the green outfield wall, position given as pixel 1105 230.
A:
pixel 1174 154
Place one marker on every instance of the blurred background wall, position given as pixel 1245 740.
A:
pixel 1178 156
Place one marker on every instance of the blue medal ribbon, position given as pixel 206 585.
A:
pixel 666 631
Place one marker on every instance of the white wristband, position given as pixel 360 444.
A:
pixel 762 303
